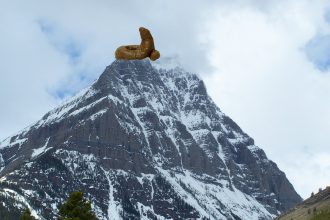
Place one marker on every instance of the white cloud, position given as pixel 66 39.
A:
pixel 250 53
pixel 28 66
pixel 265 82
pixel 39 38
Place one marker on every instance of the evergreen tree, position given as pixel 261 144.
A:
pixel 26 215
pixel 76 208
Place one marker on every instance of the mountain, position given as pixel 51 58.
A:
pixel 317 206
pixel 143 142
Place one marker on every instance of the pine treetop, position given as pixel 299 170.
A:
pixel 76 208
pixel 26 215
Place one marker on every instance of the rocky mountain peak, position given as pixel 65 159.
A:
pixel 143 142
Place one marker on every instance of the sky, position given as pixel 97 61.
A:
pixel 265 63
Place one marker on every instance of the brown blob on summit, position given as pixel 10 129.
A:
pixel 139 52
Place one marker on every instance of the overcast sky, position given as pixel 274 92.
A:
pixel 265 63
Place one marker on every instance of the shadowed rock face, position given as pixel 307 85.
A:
pixel 144 143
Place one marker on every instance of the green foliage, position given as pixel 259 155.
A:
pixel 76 208
pixel 26 215
pixel 323 215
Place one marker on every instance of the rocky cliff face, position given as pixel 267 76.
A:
pixel 143 143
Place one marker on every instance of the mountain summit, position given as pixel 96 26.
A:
pixel 142 143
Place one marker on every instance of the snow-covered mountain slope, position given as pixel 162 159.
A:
pixel 144 143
